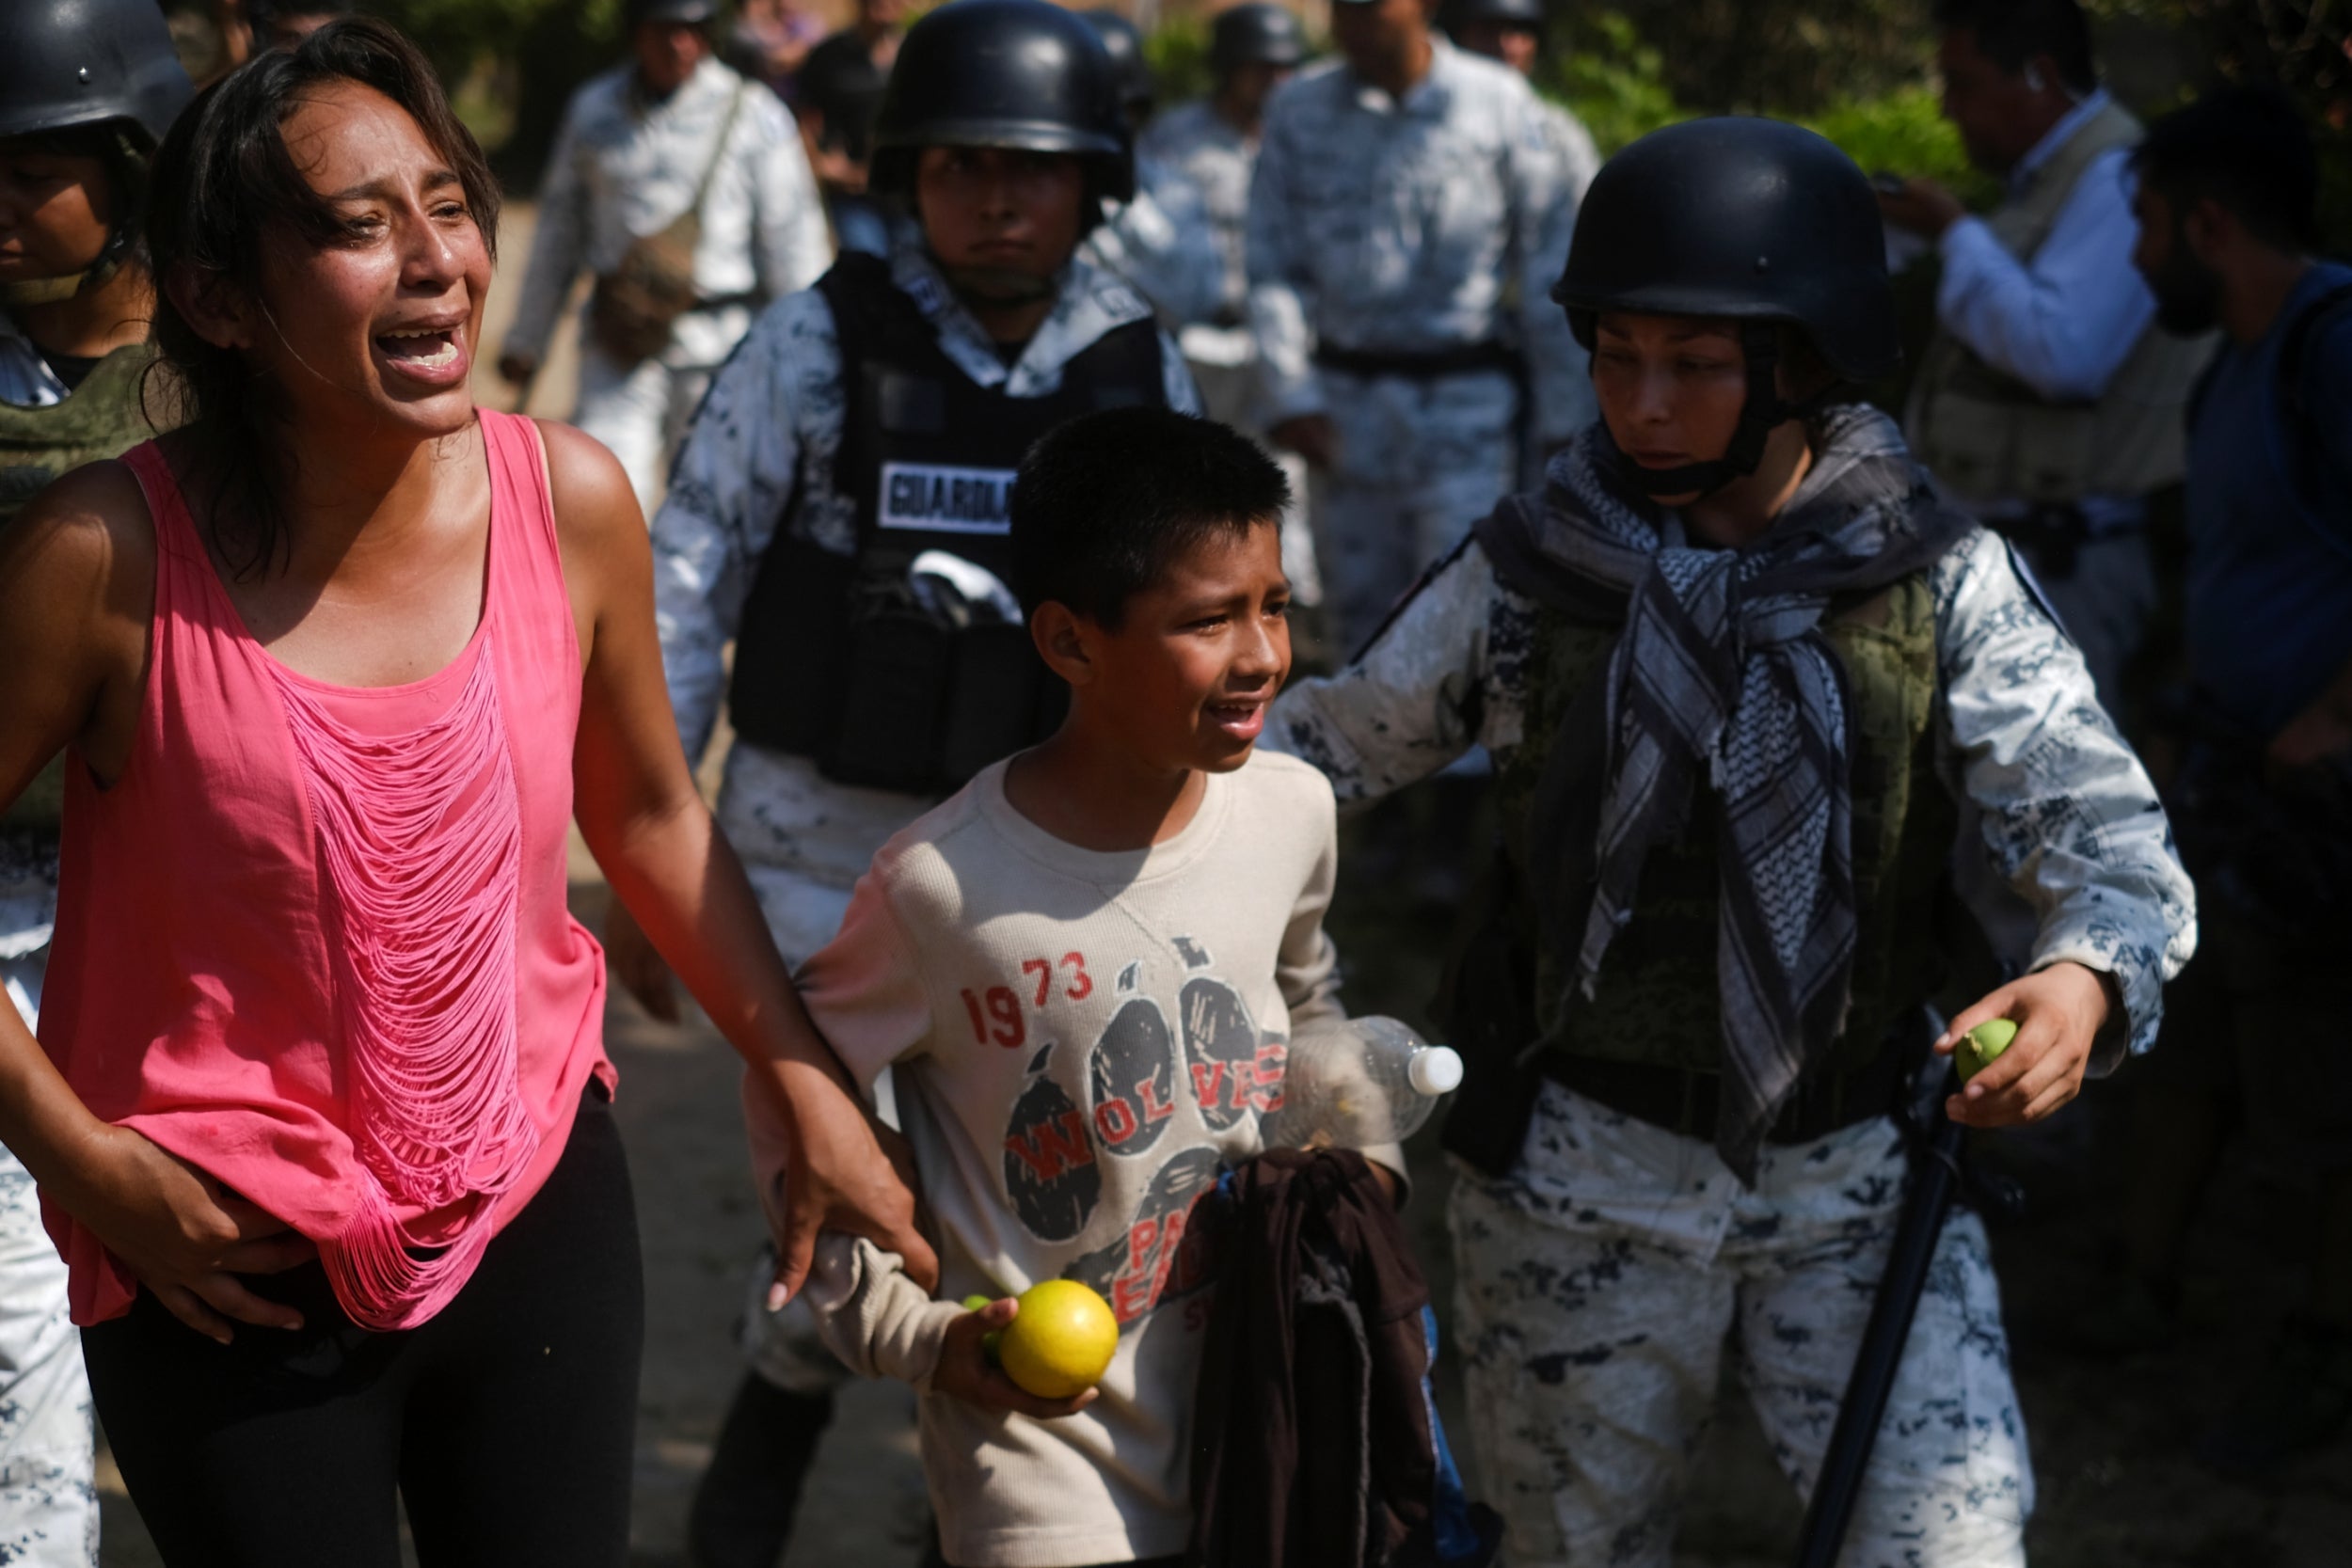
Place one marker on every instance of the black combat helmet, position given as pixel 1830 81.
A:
pixel 683 13
pixel 85 62
pixel 1123 41
pixel 1012 73
pixel 101 71
pixel 1511 13
pixel 840 82
pixel 1255 34
pixel 1753 219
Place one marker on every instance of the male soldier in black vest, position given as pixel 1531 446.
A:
pixel 838 512
pixel 87 91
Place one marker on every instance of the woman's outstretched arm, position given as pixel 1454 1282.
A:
pixel 646 823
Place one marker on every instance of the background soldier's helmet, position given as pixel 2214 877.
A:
pixel 85 62
pixel 1010 73
pixel 689 13
pixel 1753 219
pixel 1255 34
pixel 840 82
pixel 102 76
pixel 1511 13
pixel 1123 41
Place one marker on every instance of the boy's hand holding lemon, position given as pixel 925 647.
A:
pixel 1039 1354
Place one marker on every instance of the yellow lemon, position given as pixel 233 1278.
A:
pixel 1060 1345
pixel 1984 1042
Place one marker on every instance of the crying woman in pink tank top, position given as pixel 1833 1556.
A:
pixel 319 1105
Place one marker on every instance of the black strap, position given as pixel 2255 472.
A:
pixel 1423 365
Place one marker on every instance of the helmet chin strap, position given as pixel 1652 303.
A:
pixel 1763 411
pixel 999 285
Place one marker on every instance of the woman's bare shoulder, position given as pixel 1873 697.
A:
pixel 84 544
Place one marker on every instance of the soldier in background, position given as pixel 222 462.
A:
pixel 1159 240
pixel 1212 145
pixel 1408 213
pixel 86 94
pixel 2049 400
pixel 838 92
pixel 684 189
pixel 1513 31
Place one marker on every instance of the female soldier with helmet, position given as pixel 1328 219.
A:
pixel 1745 678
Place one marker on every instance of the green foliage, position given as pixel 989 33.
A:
pixel 1904 132
pixel 1178 56
pixel 1615 82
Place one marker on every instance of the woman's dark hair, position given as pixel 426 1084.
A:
pixel 1105 502
pixel 225 188
pixel 2246 148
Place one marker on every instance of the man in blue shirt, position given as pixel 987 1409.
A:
pixel 2263 801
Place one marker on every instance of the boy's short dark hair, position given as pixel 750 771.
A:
pixel 2010 33
pixel 2246 148
pixel 1105 501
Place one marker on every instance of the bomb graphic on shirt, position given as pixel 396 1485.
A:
pixel 1051 1174
pixel 1130 1078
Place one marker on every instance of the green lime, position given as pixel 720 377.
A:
pixel 990 1341
pixel 1984 1043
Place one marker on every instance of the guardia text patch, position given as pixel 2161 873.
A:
pixel 945 499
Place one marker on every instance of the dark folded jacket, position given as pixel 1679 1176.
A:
pixel 1315 1444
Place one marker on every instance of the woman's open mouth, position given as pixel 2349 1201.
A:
pixel 434 354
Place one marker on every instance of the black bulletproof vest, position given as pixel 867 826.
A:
pixel 837 659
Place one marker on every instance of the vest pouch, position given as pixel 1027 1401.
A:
pixel 639 301
pixel 899 667
pixel 994 699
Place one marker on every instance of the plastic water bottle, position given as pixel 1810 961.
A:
pixel 1359 1082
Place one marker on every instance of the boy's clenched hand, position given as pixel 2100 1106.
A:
pixel 966 1371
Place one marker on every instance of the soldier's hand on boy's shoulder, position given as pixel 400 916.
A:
pixel 966 1371
pixel 2059 1012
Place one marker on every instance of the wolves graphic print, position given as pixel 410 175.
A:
pixel 1082 1043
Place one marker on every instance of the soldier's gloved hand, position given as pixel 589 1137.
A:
pixel 1310 436
pixel 2058 1011
pixel 631 959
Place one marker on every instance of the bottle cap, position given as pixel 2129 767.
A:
pixel 1435 1069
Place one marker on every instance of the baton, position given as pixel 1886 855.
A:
pixel 1934 1181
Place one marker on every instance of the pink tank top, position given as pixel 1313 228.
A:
pixel 314 940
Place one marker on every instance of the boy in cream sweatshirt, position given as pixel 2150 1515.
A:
pixel 1085 968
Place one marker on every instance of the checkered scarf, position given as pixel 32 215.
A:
pixel 1722 671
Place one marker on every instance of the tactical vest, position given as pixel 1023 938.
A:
pixel 1657 1001
pixel 102 419
pixel 837 659
pixel 1990 436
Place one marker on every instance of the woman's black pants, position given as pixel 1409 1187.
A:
pixel 504 1424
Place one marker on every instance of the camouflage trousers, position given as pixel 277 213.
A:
pixel 48 1504
pixel 1601 1283
pixel 804 841
pixel 1419 461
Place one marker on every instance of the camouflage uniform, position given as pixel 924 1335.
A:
pixel 48 1504
pixel 622 169
pixel 1197 145
pixel 1397 231
pixel 764 441
pixel 1601 1274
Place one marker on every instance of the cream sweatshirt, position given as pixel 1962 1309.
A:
pixel 1083 1042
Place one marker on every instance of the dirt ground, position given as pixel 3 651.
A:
pixel 2116 1484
